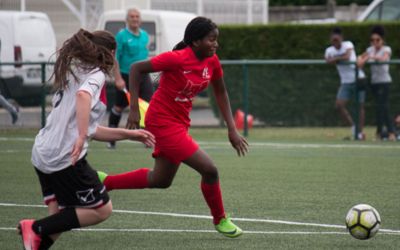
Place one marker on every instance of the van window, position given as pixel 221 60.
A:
pixel 150 27
pixel 387 10
pixel 34 27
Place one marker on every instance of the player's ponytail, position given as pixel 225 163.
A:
pixel 196 30
pixel 180 45
pixel 84 50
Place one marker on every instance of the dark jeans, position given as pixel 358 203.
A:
pixel 145 91
pixel 381 94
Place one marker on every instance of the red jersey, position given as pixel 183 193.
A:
pixel 183 77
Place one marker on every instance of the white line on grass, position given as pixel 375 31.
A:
pixel 158 230
pixel 258 144
pixel 209 217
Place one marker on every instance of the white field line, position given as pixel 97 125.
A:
pixel 259 144
pixel 158 230
pixel 194 216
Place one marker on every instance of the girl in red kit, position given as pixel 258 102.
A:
pixel 186 71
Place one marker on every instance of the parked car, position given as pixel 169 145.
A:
pixel 24 37
pixel 378 10
pixel 381 10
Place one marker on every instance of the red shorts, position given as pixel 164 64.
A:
pixel 173 142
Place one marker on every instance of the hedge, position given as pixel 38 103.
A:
pixel 293 95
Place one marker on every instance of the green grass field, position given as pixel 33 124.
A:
pixel 290 192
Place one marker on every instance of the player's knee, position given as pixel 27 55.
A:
pixel 163 184
pixel 105 211
pixel 210 172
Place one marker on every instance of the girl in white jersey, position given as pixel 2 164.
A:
pixel 71 189
pixel 380 80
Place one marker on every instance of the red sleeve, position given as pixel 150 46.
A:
pixel 218 73
pixel 166 61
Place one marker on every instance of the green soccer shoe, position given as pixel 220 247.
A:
pixel 102 176
pixel 228 228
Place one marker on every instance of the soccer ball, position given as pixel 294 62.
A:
pixel 363 221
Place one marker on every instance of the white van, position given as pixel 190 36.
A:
pixel 165 28
pixel 24 37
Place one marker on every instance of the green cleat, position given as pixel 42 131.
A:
pixel 228 229
pixel 102 176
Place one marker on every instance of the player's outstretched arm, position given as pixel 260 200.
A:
pixel 117 134
pixel 136 73
pixel 221 95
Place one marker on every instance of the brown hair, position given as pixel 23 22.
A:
pixel 86 51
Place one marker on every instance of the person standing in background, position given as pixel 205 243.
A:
pixel 132 42
pixel 341 53
pixel 13 110
pixel 380 81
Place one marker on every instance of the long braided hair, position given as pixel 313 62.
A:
pixel 84 50
pixel 196 30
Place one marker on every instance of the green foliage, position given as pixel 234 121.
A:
pixel 290 41
pixel 295 95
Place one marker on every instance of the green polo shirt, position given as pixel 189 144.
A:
pixel 131 48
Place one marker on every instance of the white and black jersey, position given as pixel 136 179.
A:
pixel 53 145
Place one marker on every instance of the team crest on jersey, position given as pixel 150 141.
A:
pixel 85 196
pixel 190 90
pixel 205 73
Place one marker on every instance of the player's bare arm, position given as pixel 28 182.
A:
pixel 82 118
pixel 136 72
pixel 119 81
pixel 238 142
pixel 117 134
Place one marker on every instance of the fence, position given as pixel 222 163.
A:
pixel 279 92
pixel 294 92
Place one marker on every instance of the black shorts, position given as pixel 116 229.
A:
pixel 74 186
pixel 145 91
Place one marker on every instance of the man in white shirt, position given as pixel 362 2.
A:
pixel 341 53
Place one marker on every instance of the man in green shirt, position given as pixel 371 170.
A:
pixel 132 42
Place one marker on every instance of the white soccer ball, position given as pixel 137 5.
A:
pixel 363 221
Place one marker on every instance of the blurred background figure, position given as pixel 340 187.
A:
pixel 380 81
pixel 343 51
pixel 132 42
pixel 13 110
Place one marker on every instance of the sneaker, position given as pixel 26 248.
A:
pixel 362 136
pixel 111 145
pixel 30 239
pixel 228 229
pixel 102 176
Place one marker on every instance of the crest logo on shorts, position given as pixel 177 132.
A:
pixel 85 196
